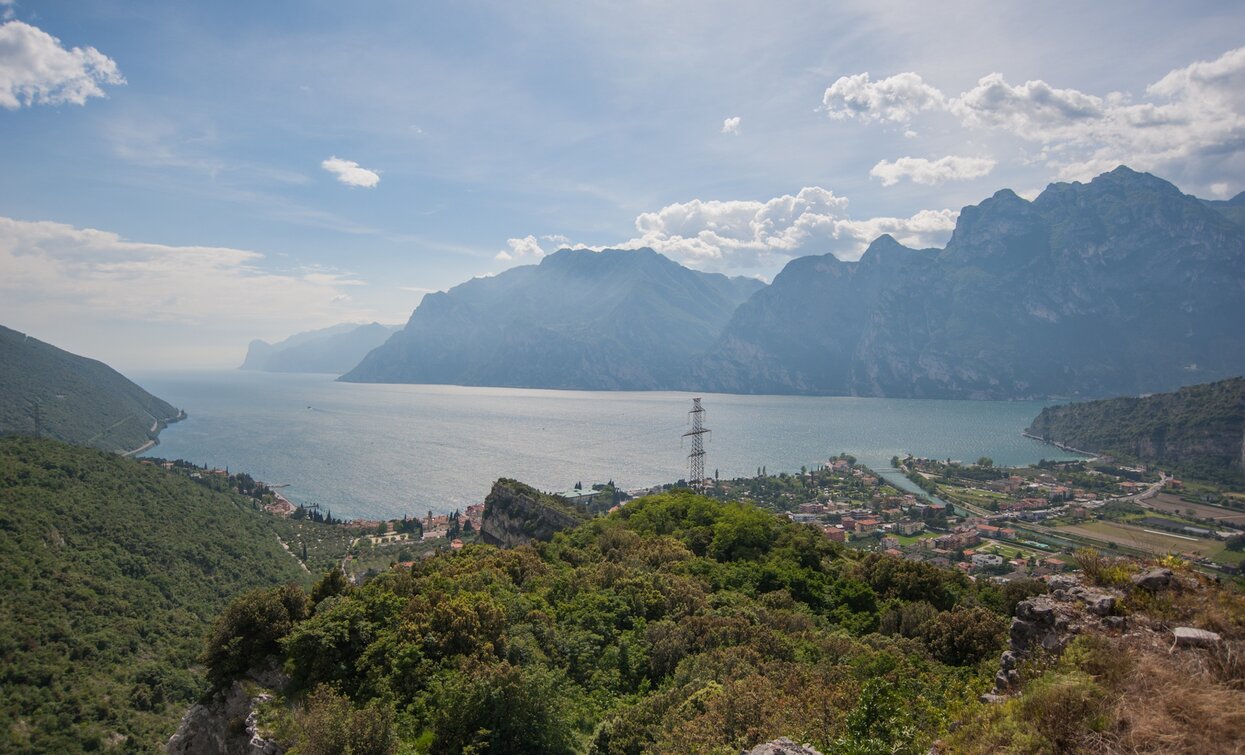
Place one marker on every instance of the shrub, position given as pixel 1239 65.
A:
pixel 248 633
pixel 1064 707
pixel 964 636
pixel 328 724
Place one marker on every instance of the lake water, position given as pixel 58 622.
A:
pixel 370 451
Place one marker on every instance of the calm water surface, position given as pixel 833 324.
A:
pixel 371 451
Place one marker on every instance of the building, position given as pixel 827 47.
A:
pixel 909 527
pixel 987 559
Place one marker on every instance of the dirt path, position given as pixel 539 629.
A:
pixel 292 554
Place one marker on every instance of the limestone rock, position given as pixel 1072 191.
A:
pixel 1154 579
pixel 1192 637
pixel 225 725
pixel 783 746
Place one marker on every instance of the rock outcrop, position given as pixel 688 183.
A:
pixel 516 514
pixel 1046 623
pixel 782 746
pixel 226 724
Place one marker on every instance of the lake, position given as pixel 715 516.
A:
pixel 373 451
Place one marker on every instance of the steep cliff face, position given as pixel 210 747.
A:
pixel 1123 285
pixel 331 350
pixel 1199 429
pixel 610 320
pixel 516 514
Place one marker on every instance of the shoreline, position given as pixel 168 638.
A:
pixel 1069 449
pixel 156 427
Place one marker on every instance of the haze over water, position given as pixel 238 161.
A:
pixel 370 451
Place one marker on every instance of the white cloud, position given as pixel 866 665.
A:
pixel 894 99
pixel 932 172
pixel 745 235
pixel 349 172
pixel 59 279
pixel 751 237
pixel 36 70
pixel 1193 118
pixel 526 247
pixel 6 9
pixel 731 125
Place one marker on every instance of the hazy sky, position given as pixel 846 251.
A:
pixel 178 178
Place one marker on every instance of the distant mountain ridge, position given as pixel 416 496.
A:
pixel 610 320
pixel 334 350
pixel 52 393
pixel 1123 285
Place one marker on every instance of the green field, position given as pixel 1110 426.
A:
pixel 1006 549
pixel 913 539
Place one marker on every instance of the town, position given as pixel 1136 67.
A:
pixel 1004 524
pixel 990 522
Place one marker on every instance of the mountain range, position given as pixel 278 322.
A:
pixel 334 349
pixel 49 392
pixel 611 320
pixel 1122 285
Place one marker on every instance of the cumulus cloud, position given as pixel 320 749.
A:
pixel 527 247
pixel 731 125
pixel 737 236
pixel 35 69
pixel 92 290
pixel 350 173
pixel 1192 115
pixel 894 99
pixel 932 172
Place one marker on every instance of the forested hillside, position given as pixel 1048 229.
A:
pixel 678 624
pixel 52 393
pixel 1196 431
pixel 110 574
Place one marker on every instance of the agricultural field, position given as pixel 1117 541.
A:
pixel 1152 541
pixel 1171 504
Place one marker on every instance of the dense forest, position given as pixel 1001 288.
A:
pixel 1196 431
pixel 677 624
pixel 111 572
pixel 51 393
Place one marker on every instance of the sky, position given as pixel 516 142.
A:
pixel 179 178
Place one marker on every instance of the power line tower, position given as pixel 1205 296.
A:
pixel 696 459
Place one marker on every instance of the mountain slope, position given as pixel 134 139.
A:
pixel 1121 285
pixel 580 319
pixel 110 572
pixel 50 392
pixel 1199 430
pixel 334 350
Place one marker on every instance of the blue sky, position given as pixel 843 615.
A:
pixel 167 191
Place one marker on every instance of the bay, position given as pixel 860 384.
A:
pixel 373 451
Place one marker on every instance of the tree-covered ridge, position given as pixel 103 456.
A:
pixel 677 624
pixel 51 393
pixel 110 573
pixel 1197 431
